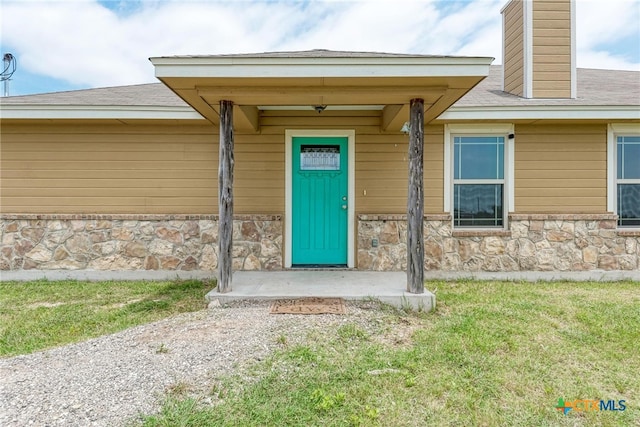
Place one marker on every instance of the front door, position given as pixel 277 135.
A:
pixel 319 201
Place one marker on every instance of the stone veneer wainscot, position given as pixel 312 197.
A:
pixel 537 242
pixel 534 242
pixel 136 242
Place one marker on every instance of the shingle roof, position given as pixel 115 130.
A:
pixel 315 53
pixel 151 94
pixel 595 88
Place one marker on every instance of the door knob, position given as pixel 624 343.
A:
pixel 344 206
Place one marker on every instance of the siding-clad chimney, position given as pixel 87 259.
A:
pixel 539 48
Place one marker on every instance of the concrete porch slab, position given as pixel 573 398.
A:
pixel 387 287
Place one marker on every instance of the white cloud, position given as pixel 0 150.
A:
pixel 87 44
pixel 602 28
pixel 475 30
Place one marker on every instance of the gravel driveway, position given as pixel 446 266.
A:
pixel 111 380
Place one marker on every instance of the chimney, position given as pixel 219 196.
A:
pixel 538 48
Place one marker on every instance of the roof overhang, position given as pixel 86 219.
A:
pixel 96 112
pixel 380 82
pixel 542 112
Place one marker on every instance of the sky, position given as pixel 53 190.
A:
pixel 64 45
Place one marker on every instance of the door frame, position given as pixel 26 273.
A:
pixel 350 134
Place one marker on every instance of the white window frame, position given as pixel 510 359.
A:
pixel 497 129
pixel 614 130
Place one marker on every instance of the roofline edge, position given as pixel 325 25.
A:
pixel 32 111
pixel 542 112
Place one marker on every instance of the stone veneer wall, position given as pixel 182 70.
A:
pixel 136 242
pixel 537 242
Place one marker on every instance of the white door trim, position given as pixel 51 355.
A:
pixel 351 183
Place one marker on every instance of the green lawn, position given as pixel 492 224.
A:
pixel 492 354
pixel 43 314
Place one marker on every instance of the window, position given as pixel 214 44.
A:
pixel 478 174
pixel 623 173
pixel 320 157
pixel 628 180
pixel 478 181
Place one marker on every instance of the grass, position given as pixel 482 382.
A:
pixel 492 353
pixel 42 314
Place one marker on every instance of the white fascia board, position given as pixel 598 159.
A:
pixel 322 67
pixel 25 111
pixel 542 112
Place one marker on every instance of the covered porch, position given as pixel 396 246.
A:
pixel 400 93
pixel 386 286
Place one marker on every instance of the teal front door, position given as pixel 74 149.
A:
pixel 319 201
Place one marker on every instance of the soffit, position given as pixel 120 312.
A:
pixel 381 82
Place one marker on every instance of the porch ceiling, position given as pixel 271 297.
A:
pixel 301 80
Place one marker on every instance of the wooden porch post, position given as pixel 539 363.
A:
pixel 225 197
pixel 415 199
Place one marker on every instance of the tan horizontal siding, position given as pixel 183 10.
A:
pixel 549 41
pixel 58 169
pixel 561 168
pixel 381 173
pixel 553 5
pixel 259 174
pixel 553 24
pixel 544 14
pixel 433 169
pixel 380 163
pixel 97 204
pixel 570 205
pixel 320 121
pixel 560 93
pixel 123 168
pixel 279 130
pixel 542 50
pixel 552 67
pixel 552 59
pixel 552 49
pixel 108 168
pixel 551 32
pixel 514 48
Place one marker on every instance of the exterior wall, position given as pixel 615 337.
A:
pixel 552 49
pixel 144 169
pixel 561 168
pixel 513 46
pixel 381 159
pixel 258 173
pixel 118 196
pixel 108 168
pixel 101 168
pixel 536 242
pixel 537 48
pixel 433 170
pixel 135 242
